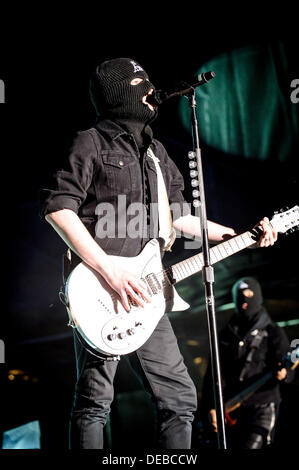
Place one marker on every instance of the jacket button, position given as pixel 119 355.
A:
pixel 241 343
pixel 121 163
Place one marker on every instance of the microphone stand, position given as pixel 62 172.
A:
pixel 208 279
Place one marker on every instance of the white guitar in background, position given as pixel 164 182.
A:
pixel 95 309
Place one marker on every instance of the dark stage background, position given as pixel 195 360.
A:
pixel 46 78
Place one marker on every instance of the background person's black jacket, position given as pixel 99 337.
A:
pixel 234 346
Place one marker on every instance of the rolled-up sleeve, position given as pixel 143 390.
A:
pixel 68 187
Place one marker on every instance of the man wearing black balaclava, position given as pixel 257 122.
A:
pixel 110 164
pixel 118 90
pixel 248 300
pixel 251 345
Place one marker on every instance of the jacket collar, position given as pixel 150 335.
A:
pixel 263 321
pixel 113 130
pixel 110 128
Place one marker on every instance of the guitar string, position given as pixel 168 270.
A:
pixel 184 268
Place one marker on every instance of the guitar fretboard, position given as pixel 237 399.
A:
pixel 193 265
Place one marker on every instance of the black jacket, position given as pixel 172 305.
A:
pixel 234 347
pixel 102 164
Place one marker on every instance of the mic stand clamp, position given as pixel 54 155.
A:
pixel 207 272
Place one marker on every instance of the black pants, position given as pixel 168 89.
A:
pixel 159 364
pixel 256 424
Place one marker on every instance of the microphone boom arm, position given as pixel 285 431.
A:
pixel 180 89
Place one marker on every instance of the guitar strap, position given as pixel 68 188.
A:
pixel 166 230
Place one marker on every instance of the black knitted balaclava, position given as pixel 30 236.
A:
pixel 115 97
pixel 242 295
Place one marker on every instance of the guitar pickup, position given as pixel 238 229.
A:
pixel 153 283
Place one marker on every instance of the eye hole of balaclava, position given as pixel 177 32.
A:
pixel 118 88
pixel 247 297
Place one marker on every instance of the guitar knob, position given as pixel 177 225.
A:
pixel 131 331
pixel 111 337
pixel 122 335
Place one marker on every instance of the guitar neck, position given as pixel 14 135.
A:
pixel 235 402
pixel 193 265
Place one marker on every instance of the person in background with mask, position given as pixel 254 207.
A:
pixel 250 345
pixel 106 162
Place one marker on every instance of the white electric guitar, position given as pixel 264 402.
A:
pixel 95 309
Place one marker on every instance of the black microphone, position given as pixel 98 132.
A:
pixel 181 88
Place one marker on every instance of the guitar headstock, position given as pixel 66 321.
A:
pixel 286 221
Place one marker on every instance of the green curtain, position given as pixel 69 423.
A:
pixel 246 109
